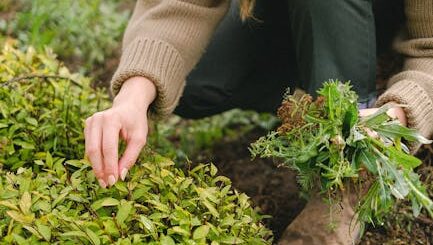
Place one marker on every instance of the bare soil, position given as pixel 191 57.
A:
pixel 274 190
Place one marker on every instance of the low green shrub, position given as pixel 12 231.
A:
pixel 47 196
pixel 42 107
pixel 158 204
pixel 180 138
pixel 84 33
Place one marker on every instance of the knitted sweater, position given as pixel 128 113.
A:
pixel 413 87
pixel 163 42
pixel 166 38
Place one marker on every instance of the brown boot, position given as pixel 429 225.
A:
pixel 312 226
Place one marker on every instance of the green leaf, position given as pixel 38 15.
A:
pixel 368 159
pixel 24 145
pixel 73 234
pixel 125 209
pixel 44 230
pixel 405 160
pixel 377 118
pixel 231 240
pixel 213 170
pixel 93 237
pixel 105 202
pixel 147 223
pixel 24 219
pixel 200 232
pixel 33 231
pixel 211 208
pixel 167 240
pixel 395 130
pixel 9 204
pixel 25 203
pixel 179 230
pixel 20 240
pixel 32 121
pixel 49 160
pixel 351 117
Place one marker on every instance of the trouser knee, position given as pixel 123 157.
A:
pixel 202 100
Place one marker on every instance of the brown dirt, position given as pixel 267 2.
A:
pixel 273 189
pixel 402 227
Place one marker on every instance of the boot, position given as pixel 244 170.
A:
pixel 312 226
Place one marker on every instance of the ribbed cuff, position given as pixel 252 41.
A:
pixel 419 110
pixel 419 14
pixel 159 62
pixel 421 47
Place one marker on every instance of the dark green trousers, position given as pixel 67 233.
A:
pixel 294 43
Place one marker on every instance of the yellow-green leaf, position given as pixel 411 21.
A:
pixel 25 219
pixel 25 203
pixel 200 232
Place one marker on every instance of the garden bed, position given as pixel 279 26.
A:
pixel 274 190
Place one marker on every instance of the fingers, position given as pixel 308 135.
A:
pixel 102 141
pixel 132 151
pixel 110 143
pixel 93 139
pixel 367 112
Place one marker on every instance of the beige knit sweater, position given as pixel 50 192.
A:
pixel 166 38
pixel 413 86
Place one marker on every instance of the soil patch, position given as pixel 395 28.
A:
pixel 273 189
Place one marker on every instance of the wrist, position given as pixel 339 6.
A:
pixel 137 90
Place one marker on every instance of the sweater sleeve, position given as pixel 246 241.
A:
pixel 163 42
pixel 413 87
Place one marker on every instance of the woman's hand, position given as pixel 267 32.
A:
pixel 395 112
pixel 127 118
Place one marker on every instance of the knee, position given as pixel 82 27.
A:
pixel 320 6
pixel 201 100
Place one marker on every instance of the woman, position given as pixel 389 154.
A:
pixel 246 65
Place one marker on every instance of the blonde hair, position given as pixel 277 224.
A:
pixel 246 8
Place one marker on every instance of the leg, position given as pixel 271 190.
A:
pixel 334 39
pixel 245 66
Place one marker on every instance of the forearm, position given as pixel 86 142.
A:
pixel 163 42
pixel 413 87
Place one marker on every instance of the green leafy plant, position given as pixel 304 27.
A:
pixel 42 107
pixel 49 196
pixel 329 146
pixel 82 32
pixel 180 138
pixel 158 204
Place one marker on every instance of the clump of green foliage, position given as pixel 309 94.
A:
pixel 329 145
pixel 49 196
pixel 42 107
pixel 82 32
pixel 180 138
pixel 158 204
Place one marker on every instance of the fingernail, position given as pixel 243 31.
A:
pixel 111 180
pixel 123 173
pixel 102 183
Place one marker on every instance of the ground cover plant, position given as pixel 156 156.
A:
pixel 48 195
pixel 42 108
pixel 328 145
pixel 83 33
pixel 158 204
pixel 182 139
